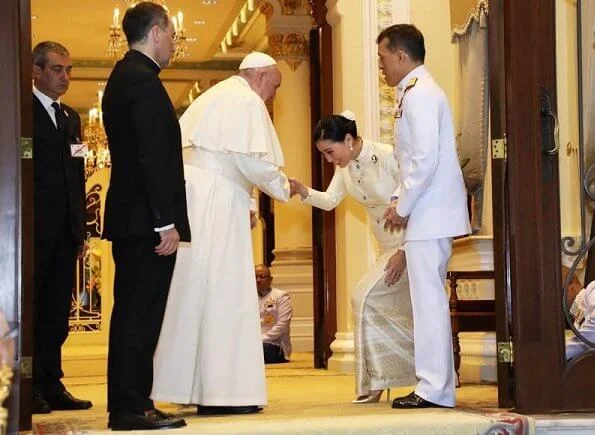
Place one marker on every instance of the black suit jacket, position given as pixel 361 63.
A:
pixel 59 179
pixel 147 178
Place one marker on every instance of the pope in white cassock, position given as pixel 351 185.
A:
pixel 210 349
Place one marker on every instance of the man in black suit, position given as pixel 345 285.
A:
pixel 59 222
pixel 145 215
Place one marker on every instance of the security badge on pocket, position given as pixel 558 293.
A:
pixel 78 150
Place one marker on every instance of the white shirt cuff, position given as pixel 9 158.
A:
pixel 167 227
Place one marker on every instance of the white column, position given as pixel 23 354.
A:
pixel 356 87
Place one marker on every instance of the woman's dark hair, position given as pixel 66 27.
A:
pixel 140 18
pixel 334 128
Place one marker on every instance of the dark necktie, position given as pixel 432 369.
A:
pixel 60 118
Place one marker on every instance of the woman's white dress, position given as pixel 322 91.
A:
pixel 383 335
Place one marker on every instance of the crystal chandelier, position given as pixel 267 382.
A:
pixel 180 47
pixel 98 155
pixel 115 40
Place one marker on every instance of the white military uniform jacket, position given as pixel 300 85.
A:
pixel 275 319
pixel 432 192
pixel 583 310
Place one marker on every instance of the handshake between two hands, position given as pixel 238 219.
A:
pixel 296 187
pixel 392 219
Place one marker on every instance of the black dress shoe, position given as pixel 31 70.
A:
pixel 39 405
pixel 226 410
pixel 67 402
pixel 149 420
pixel 413 401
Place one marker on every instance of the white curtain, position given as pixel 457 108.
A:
pixel 472 122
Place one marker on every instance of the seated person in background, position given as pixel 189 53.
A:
pixel 275 316
pixel 583 311
pixel 574 287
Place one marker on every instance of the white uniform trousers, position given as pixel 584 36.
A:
pixel 427 261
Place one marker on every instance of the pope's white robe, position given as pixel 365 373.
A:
pixel 210 349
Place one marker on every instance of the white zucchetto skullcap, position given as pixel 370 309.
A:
pixel 256 59
pixel 348 114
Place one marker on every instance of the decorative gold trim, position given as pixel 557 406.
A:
pixel 288 7
pixel 474 15
pixel 267 10
pixel 293 48
pixel 5 384
pixel 387 96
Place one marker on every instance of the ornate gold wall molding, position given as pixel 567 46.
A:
pixel 288 24
pixel 289 7
pixel 267 10
pixel 386 93
pixel 293 48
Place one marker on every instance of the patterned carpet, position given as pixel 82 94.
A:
pixel 303 400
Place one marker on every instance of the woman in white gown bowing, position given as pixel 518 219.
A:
pixel 381 304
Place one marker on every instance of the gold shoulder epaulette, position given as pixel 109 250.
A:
pixel 410 84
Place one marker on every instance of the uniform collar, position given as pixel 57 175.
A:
pixel 416 72
pixel 364 153
pixel 266 295
pixel 45 101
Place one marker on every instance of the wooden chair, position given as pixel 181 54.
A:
pixel 468 315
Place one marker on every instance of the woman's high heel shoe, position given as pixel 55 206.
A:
pixel 373 397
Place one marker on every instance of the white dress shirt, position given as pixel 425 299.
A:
pixel 47 102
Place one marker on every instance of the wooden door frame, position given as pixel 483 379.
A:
pixel 323 223
pixel 543 381
pixel 27 227
pixel 496 51
pixel 16 198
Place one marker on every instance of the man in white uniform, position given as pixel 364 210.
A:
pixel 431 205
pixel 583 311
pixel 275 317
pixel 210 349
